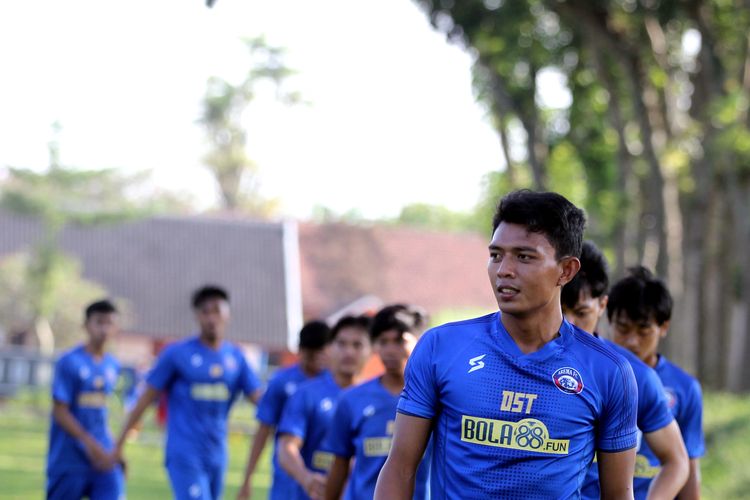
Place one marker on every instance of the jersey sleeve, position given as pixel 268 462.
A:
pixel 419 397
pixel 272 403
pixel 294 416
pixel 690 421
pixel 63 383
pixel 248 381
pixel 164 371
pixel 653 410
pixel 617 426
pixel 340 437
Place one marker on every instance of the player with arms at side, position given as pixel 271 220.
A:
pixel 202 377
pixel 639 309
pixel 518 401
pixel 79 463
pixel 313 339
pixel 584 300
pixel 308 413
pixel 363 424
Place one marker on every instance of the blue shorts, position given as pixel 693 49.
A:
pixel 74 485
pixel 192 481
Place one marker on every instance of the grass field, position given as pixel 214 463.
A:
pixel 23 444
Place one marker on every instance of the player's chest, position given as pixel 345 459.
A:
pixel 100 378
pixel 373 428
pixel 198 367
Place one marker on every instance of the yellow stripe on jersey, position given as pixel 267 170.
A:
pixel 92 399
pixel 377 447
pixel 528 434
pixel 322 460
pixel 210 392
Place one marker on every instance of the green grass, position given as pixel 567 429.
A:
pixel 23 445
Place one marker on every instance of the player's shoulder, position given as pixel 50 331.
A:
pixel 73 355
pixel 676 374
pixel 599 354
pixel 640 368
pixel 284 374
pixel 363 390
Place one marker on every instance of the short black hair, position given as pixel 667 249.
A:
pixel 361 322
pixel 104 306
pixel 642 296
pixel 208 292
pixel 593 277
pixel 399 317
pixel 314 335
pixel 549 214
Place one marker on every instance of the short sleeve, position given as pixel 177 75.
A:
pixel 617 426
pixel 294 416
pixel 653 409
pixel 340 437
pixel 690 421
pixel 163 373
pixel 419 397
pixel 63 383
pixel 272 403
pixel 248 381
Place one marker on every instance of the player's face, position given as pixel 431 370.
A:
pixel 524 271
pixel 349 351
pixel 587 311
pixel 213 317
pixel 639 337
pixel 313 360
pixel 100 327
pixel 394 349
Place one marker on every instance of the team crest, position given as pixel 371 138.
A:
pixel 290 388
pixel 216 370
pixel 98 382
pixel 671 397
pixel 84 372
pixel 196 360
pixel 568 380
pixel 369 411
pixel 326 404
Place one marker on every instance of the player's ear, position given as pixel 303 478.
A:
pixel 663 328
pixel 569 267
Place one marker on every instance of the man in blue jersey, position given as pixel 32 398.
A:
pixel 201 376
pixel 313 339
pixel 639 309
pixel 79 463
pixel 362 426
pixel 584 300
pixel 518 401
pixel 308 413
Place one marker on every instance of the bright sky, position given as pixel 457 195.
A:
pixel 391 119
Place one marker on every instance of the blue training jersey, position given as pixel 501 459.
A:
pixel 683 395
pixel 280 388
pixel 201 384
pixel 307 415
pixel 514 425
pixel 83 384
pixel 362 428
pixel 653 413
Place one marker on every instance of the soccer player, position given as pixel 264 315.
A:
pixel 584 301
pixel 308 413
pixel 517 401
pixel 363 423
pixel 79 463
pixel 639 309
pixel 313 339
pixel 202 376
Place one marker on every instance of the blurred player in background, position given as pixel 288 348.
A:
pixel 308 413
pixel 362 426
pixel 80 463
pixel 313 339
pixel 202 376
pixel 639 309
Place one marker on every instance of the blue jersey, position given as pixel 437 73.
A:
pixel 653 412
pixel 282 385
pixel 201 384
pixel 683 395
pixel 83 384
pixel 514 425
pixel 363 428
pixel 307 415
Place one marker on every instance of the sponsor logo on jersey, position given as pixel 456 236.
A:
pixel 528 434
pixel 216 370
pixel 322 460
pixel 210 392
pixel 196 360
pixel 643 469
pixel 671 397
pixel 568 380
pixel 369 411
pixel 84 372
pixel 476 363
pixel 290 388
pixel 92 399
pixel 98 382
pixel 377 447
pixel 326 404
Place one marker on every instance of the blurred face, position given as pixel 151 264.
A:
pixel 639 337
pixel 524 271
pixel 394 349
pixel 313 360
pixel 349 351
pixel 213 317
pixel 587 311
pixel 100 327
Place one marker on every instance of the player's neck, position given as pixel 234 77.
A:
pixel 95 350
pixel 343 380
pixel 212 342
pixel 534 331
pixel 393 382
